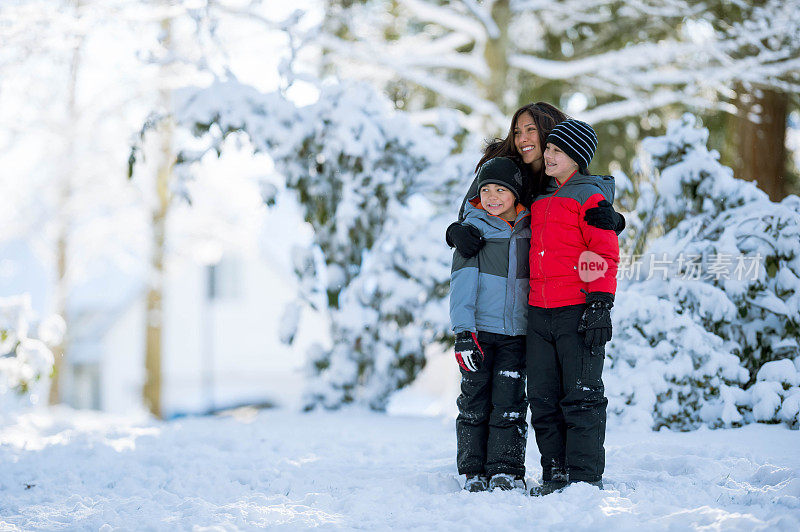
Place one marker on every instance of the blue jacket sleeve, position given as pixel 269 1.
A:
pixel 463 293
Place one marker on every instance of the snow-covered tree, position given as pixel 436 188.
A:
pixel 624 66
pixel 665 367
pixel 58 134
pixel 643 54
pixel 26 359
pixel 79 77
pixel 722 284
pixel 775 396
pixel 378 191
pixel 391 312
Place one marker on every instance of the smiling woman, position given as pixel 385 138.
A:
pixel 524 143
pixel 526 139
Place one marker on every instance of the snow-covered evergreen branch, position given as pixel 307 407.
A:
pixel 717 341
pixel 377 264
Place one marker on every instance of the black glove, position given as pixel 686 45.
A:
pixel 466 239
pixel 605 217
pixel 620 223
pixel 469 354
pixel 596 320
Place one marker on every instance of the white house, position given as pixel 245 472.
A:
pixel 221 346
pixel 220 340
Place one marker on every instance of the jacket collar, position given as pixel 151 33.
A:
pixel 604 182
pixel 522 212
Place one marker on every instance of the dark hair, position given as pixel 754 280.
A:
pixel 546 117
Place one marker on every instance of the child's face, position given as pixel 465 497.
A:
pixel 499 201
pixel 557 163
pixel 526 139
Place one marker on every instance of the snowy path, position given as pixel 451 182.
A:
pixel 357 470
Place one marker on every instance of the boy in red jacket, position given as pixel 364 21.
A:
pixel 573 269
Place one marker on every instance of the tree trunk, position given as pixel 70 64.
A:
pixel 153 319
pixel 61 290
pixel 496 55
pixel 154 310
pixel 62 217
pixel 761 134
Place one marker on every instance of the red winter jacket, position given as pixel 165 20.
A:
pixel 567 254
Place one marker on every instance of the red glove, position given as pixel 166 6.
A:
pixel 469 354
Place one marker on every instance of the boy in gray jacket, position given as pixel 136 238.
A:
pixel 488 312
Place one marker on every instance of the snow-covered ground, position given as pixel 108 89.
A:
pixel 279 469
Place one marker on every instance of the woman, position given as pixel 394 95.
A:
pixel 530 126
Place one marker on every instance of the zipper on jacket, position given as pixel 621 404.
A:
pixel 511 284
pixel 513 281
pixel 544 227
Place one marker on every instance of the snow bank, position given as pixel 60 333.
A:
pixel 353 469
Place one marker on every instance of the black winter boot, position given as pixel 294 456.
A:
pixel 506 482
pixel 548 487
pixel 558 481
pixel 476 483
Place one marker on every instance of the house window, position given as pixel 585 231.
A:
pixel 86 385
pixel 224 279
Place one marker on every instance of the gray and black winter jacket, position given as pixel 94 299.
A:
pixel 489 292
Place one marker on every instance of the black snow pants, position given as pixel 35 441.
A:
pixel 566 394
pixel 490 429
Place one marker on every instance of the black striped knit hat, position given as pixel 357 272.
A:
pixel 577 139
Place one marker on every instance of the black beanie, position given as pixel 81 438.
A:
pixel 577 139
pixel 501 171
